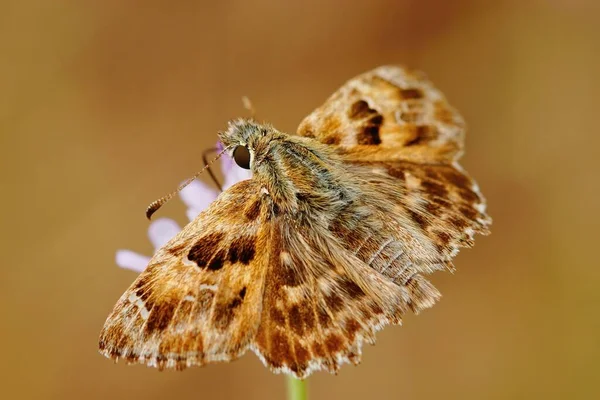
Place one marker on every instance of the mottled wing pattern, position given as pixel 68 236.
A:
pixel 434 208
pixel 332 284
pixel 243 275
pixel 405 139
pixel 322 302
pixel 200 298
pixel 389 113
pixel 322 248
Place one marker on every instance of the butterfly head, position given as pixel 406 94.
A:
pixel 247 141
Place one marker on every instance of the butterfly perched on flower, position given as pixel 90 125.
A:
pixel 330 240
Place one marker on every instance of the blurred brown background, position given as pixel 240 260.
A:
pixel 107 105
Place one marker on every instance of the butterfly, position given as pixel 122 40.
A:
pixel 329 241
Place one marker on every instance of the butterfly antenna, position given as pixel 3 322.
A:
pixel 155 205
pixel 205 154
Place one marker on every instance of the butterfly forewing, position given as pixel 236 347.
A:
pixel 199 299
pixel 389 113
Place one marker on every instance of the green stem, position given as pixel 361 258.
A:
pixel 296 388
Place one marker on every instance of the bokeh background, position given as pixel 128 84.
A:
pixel 107 105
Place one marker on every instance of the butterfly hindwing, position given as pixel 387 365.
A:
pixel 431 210
pixel 322 302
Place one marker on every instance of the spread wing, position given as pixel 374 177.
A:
pixel 305 290
pixel 397 131
pixel 243 276
pixel 199 300
pixel 322 300
pixel 389 113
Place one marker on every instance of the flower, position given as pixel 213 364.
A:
pixel 197 196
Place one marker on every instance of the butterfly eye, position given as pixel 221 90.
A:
pixel 241 155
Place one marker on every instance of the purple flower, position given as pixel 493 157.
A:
pixel 197 196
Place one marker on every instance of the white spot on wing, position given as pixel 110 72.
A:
pixel 186 261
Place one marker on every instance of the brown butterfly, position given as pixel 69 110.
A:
pixel 328 242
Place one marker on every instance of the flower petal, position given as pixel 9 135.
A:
pixel 192 213
pixel 131 260
pixel 226 161
pixel 161 231
pixel 198 195
pixel 235 175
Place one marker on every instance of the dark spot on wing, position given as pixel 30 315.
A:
pixel 253 210
pixel 160 316
pixel 418 218
pixel 396 172
pixel 307 131
pixel 350 288
pixel 318 349
pixel 411 93
pixel 469 196
pixel 237 301
pixel 308 315
pixel 443 237
pixel 302 356
pixel 360 110
pixel 434 188
pixel 352 326
pixel 288 276
pixel 324 318
pixel 334 343
pixel 143 290
pixel 275 210
pixel 204 249
pixel 217 262
pixel 296 321
pixel 431 172
pixel 433 209
pixel 468 212
pixel 458 223
pixel 332 138
pixel 376 120
pixel 242 250
pixel 368 135
pixel 277 317
pixel 334 301
pixel 330 126
pixel 442 202
pixel 223 314
pixel 280 353
pixel 456 178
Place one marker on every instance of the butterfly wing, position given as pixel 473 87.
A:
pixel 200 298
pixel 333 282
pixel 397 131
pixel 389 113
pixel 434 208
pixel 242 275
pixel 322 301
